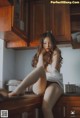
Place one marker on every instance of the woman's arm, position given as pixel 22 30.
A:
pixel 56 62
pixel 40 60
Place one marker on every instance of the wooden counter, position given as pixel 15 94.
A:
pixel 66 107
pixel 17 105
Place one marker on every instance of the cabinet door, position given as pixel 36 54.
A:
pixel 5 18
pixel 71 105
pixel 39 20
pixel 58 112
pixel 60 22
pixel 20 18
pixel 72 110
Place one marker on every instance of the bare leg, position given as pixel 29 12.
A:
pixel 31 79
pixel 52 93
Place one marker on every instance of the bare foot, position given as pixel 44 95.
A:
pixel 3 93
pixel 12 94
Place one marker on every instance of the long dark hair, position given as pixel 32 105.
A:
pixel 47 57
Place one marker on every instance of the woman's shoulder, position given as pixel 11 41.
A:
pixel 57 51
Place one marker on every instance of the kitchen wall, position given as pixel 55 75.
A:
pixel 23 62
pixel 1 62
pixel 9 69
pixel 7 64
pixel 71 65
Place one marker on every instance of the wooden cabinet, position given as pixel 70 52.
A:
pixel 61 19
pixel 48 17
pixel 75 25
pixel 67 107
pixel 34 17
pixel 20 18
pixel 60 22
pixel 5 18
pixel 20 25
pixel 71 106
pixel 14 23
pixel 25 20
pixel 39 20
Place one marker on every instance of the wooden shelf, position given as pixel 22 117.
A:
pixel 74 14
pixel 75 30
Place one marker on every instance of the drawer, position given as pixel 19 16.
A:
pixel 72 112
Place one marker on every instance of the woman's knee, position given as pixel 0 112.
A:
pixel 40 68
pixel 38 92
pixel 38 89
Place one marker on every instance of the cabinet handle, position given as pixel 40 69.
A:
pixel 72 112
pixel 64 111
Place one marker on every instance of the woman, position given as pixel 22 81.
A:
pixel 46 77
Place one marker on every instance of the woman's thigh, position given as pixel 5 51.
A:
pixel 51 95
pixel 40 86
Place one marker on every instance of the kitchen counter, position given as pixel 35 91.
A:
pixel 71 94
pixel 29 102
pixel 17 105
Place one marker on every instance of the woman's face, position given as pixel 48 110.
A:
pixel 47 44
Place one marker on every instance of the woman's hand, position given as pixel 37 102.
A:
pixel 43 52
